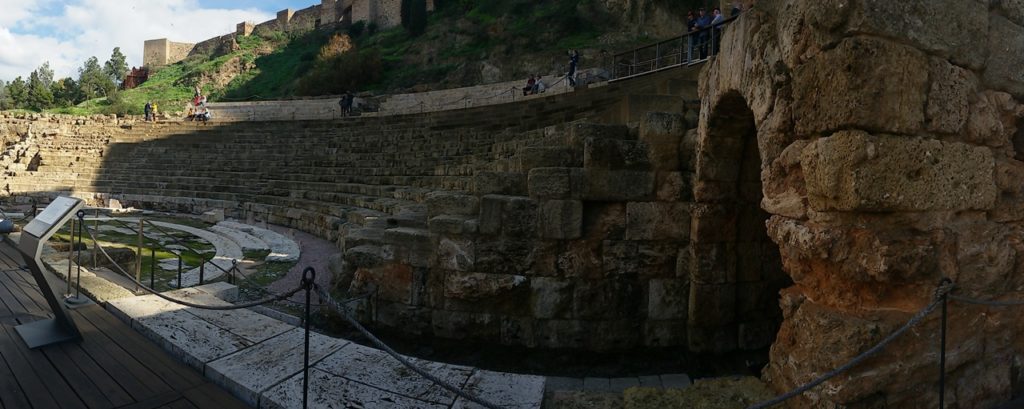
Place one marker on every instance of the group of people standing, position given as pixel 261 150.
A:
pixel 151 111
pixel 705 33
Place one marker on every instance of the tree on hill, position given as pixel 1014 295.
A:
pixel 39 96
pixel 65 92
pixel 92 81
pixel 17 92
pixel 116 67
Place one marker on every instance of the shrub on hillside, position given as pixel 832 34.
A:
pixel 349 71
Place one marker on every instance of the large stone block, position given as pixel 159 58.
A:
pixel 619 257
pixel 713 263
pixel 513 216
pixel 712 223
pixel 550 183
pixel 854 171
pixel 668 299
pixel 439 203
pixel 462 325
pixel 657 259
pixel 615 154
pixel 1011 9
pixel 456 254
pixel 614 185
pixel 550 297
pixel 664 333
pixel 947 28
pixel 545 157
pixel 842 88
pixel 500 183
pixel 1005 57
pixel 560 219
pixel 662 134
pixel 582 131
pixel 610 298
pixel 674 187
pixel 657 221
pixel 475 286
pixel 949 96
pixel 712 304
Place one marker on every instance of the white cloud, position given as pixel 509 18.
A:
pixel 78 29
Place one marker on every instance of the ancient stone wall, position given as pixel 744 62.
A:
pixel 540 232
pixel 890 158
pixel 161 52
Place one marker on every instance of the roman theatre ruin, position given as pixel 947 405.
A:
pixel 845 156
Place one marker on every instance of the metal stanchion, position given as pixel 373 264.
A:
pixel 308 276
pixel 942 347
pixel 77 300
pixel 179 268
pixel 152 265
pixel 231 273
pixel 202 269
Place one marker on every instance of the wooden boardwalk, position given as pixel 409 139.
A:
pixel 112 367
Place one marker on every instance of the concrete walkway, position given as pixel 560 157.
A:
pixel 259 359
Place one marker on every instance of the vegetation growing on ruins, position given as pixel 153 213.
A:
pixel 464 42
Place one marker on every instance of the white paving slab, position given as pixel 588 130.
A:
pixel 249 373
pixel 171 264
pixel 245 240
pixel 115 229
pixel 376 368
pixel 329 391
pixel 282 248
pixel 259 359
pixel 194 341
pixel 511 391
pixel 227 252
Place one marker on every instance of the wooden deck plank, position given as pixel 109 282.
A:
pixel 33 372
pixel 11 394
pixel 113 366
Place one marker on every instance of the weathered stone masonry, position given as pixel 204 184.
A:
pixel 890 156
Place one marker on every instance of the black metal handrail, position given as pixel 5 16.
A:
pixel 688 49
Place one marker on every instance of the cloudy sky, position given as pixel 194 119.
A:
pixel 67 32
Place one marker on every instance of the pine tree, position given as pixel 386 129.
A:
pixel 39 96
pixel 93 81
pixel 116 67
pixel 65 92
pixel 17 91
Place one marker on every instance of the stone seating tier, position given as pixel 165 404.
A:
pixel 521 224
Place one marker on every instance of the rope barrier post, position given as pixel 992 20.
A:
pixel 152 265
pixel 942 345
pixel 138 260
pixel 308 276
pixel 95 245
pixel 231 273
pixel 78 248
pixel 202 269
pixel 71 254
pixel 179 268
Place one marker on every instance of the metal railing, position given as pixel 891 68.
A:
pixel 688 49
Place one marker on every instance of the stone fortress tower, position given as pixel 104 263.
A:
pixel 384 13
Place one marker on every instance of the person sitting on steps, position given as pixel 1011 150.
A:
pixel 539 86
pixel 530 85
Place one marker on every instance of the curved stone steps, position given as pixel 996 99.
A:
pixel 228 252
pixel 247 241
pixel 282 248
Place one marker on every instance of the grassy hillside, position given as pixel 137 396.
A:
pixel 465 42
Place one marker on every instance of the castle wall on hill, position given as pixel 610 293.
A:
pixel 384 13
pixel 162 52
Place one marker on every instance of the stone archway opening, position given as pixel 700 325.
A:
pixel 736 270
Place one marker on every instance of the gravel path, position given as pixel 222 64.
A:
pixel 315 253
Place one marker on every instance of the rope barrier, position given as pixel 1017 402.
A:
pixel 937 299
pixel 990 303
pixel 277 297
pixel 344 311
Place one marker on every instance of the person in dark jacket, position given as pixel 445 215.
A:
pixel 574 61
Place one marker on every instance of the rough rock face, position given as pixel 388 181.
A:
pixel 890 158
